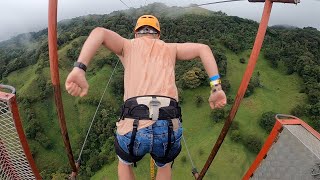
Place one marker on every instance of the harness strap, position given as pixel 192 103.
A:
pixel 166 159
pixel 170 131
pixel 124 155
pixel 133 138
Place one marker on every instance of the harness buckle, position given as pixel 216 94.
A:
pixel 135 124
pixel 154 108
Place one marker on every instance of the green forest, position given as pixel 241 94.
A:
pixel 286 80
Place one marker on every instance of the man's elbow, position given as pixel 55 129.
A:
pixel 98 32
pixel 204 49
pixel 98 29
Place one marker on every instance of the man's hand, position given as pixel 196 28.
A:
pixel 76 83
pixel 217 99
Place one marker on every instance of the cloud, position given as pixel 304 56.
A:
pixel 21 16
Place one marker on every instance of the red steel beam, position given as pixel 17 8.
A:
pixel 22 137
pixel 290 120
pixel 244 84
pixel 264 150
pixel 54 70
pixel 280 1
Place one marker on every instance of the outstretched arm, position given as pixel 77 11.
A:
pixel 76 83
pixel 100 36
pixel 188 51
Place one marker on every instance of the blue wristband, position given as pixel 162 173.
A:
pixel 215 77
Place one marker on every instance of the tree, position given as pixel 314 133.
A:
pixel 199 100
pixel 33 128
pixel 253 143
pixel 235 135
pixel 59 176
pixel 254 82
pixel 267 120
pixel 242 60
pixel 43 140
pixel 234 125
pixel 226 86
pixel 218 115
pixel 298 111
pixel 193 78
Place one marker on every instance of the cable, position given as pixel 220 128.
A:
pixel 94 116
pixel 192 164
pixel 125 4
pixel 218 2
pixel 131 3
pixel 84 143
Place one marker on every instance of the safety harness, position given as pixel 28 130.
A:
pixel 151 108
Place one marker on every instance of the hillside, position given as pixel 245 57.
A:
pixel 287 77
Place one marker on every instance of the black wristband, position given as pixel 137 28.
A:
pixel 80 65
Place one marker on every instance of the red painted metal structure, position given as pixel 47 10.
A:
pixel 5 161
pixel 11 98
pixel 280 1
pixel 245 81
pixel 277 128
pixel 54 70
pixel 52 36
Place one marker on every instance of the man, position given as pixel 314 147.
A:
pixel 150 120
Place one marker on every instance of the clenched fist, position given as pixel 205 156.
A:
pixel 217 99
pixel 76 83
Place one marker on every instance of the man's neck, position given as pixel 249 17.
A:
pixel 150 36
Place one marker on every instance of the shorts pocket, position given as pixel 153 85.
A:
pixel 124 141
pixel 175 142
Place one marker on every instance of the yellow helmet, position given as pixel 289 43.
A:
pixel 147 20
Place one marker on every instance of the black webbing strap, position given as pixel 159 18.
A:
pixel 123 154
pixel 133 137
pixel 170 131
pixel 166 159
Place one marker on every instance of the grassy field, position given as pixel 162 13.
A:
pixel 77 116
pixel 279 93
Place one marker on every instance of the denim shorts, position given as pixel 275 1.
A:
pixel 152 139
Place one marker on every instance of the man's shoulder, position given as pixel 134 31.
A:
pixel 172 45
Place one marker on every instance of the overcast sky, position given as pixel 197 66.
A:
pixel 21 16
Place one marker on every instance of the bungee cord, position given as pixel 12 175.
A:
pixel 105 89
pixel 188 152
pixel 94 116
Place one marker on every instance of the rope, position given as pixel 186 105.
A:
pixel 185 143
pixel 94 116
pixel 152 170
